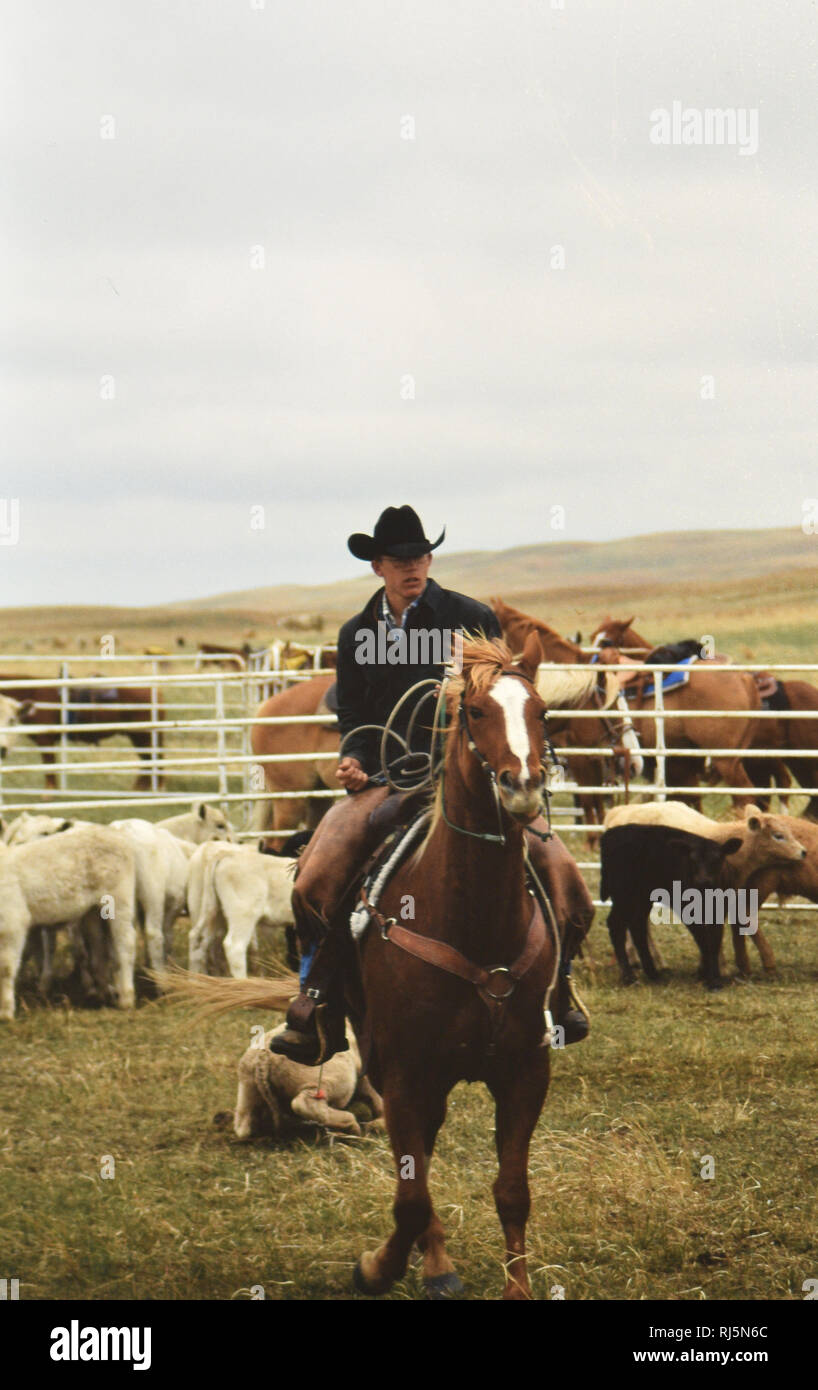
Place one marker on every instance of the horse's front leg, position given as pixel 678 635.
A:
pixel 519 1092
pixel 440 1278
pixel 409 1114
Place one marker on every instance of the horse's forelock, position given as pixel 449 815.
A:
pixel 483 659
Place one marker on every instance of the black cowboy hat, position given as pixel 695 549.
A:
pixel 398 532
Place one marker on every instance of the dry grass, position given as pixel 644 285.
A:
pixel 619 1209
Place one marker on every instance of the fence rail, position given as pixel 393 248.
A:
pixel 208 716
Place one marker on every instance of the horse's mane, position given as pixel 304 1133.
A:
pixel 511 618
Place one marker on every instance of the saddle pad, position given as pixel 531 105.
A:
pixel 389 858
pixel 671 680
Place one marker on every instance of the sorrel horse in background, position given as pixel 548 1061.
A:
pixel 461 995
pixel 772 733
pixel 705 690
pixel 305 697
pixel 99 705
pixel 614 728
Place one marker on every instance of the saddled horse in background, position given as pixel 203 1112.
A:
pixel 99 705
pixel 783 734
pixel 302 777
pixel 461 995
pixel 614 727
pixel 705 690
pixel 306 776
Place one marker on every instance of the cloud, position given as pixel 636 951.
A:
pixel 387 259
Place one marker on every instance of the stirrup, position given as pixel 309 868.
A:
pixel 575 1001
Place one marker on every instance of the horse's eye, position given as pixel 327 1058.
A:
pixel 475 712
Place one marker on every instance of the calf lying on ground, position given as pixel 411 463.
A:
pixel 87 871
pixel 767 842
pixel 243 889
pixel 638 860
pixel 272 1088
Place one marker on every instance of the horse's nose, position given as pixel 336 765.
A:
pixel 524 782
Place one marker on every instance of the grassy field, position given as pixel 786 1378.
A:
pixel 620 1209
pixel 670 1073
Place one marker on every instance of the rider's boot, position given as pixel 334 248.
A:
pixel 316 1021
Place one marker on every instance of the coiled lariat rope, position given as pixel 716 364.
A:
pixel 428 766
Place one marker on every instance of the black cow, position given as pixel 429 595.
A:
pixel 638 859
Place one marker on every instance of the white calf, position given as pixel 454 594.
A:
pixel 62 878
pixel 11 711
pixel 245 889
pixel 201 823
pixel 161 881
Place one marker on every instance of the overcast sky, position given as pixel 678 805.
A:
pixel 410 336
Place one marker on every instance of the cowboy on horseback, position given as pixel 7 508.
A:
pixel 402 637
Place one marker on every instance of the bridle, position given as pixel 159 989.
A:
pixel 463 721
pixel 615 729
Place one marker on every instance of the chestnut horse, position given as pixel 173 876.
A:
pixel 306 776
pixel 302 777
pixel 460 996
pixel 705 690
pixel 99 705
pixel 613 729
pixel 772 733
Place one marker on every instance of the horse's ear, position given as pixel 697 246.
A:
pixel 531 657
pixel 630 620
pixel 200 810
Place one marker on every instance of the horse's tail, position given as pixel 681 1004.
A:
pixel 221 994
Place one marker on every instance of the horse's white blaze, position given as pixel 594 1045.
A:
pixel 630 738
pixel 511 695
pixel 598 640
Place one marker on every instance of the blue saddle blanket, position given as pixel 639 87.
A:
pixel 670 679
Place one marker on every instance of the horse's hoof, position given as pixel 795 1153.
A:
pixel 366 1286
pixel 443 1286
